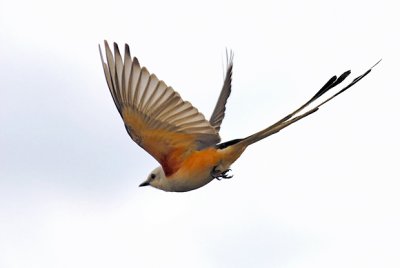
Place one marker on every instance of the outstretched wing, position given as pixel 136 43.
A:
pixel 155 116
pixel 219 110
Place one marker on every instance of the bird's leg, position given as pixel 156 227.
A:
pixel 217 174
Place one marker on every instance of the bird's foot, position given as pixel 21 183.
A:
pixel 217 174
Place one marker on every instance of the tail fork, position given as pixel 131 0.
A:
pixel 291 118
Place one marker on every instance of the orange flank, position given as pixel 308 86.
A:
pixel 198 161
pixel 195 170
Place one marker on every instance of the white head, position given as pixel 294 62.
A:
pixel 156 179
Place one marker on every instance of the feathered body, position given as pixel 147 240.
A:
pixel 176 134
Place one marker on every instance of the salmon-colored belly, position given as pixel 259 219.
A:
pixel 195 171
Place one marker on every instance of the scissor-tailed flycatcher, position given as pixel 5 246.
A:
pixel 178 136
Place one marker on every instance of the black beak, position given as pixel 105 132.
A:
pixel 145 183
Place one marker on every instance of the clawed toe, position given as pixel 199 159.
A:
pixel 225 175
pixel 221 175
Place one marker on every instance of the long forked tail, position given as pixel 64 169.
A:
pixel 291 118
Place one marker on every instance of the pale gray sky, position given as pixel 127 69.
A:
pixel 322 193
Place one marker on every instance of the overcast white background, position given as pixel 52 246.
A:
pixel 322 193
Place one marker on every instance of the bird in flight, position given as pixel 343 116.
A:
pixel 186 145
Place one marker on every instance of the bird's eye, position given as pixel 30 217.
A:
pixel 152 176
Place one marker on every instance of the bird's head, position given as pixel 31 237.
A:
pixel 156 179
